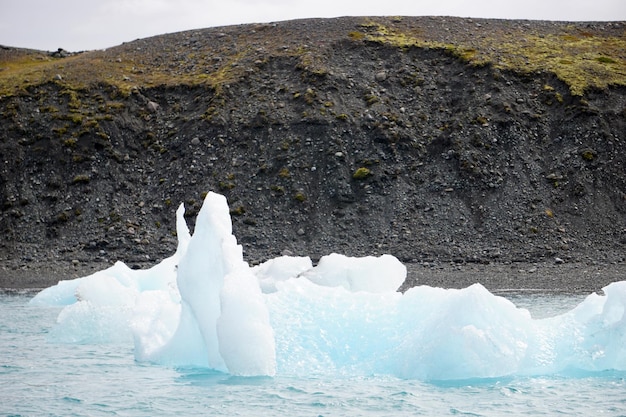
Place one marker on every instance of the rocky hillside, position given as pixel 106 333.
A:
pixel 433 139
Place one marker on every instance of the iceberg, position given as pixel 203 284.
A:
pixel 206 307
pixel 223 322
pixel 372 274
pixel 280 269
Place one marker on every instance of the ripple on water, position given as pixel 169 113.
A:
pixel 40 378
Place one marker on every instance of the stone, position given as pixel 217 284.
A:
pixel 554 176
pixel 152 106
pixel 61 53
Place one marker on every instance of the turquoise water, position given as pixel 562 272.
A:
pixel 41 378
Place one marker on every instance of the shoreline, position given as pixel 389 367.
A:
pixel 520 277
pixel 496 277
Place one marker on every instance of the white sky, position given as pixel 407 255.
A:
pixel 95 24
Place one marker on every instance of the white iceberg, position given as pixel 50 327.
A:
pixel 206 307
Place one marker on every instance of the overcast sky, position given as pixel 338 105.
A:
pixel 96 24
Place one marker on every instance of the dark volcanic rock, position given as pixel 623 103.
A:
pixel 467 164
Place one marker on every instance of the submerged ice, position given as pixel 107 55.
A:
pixel 206 307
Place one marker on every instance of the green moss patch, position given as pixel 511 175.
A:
pixel 582 61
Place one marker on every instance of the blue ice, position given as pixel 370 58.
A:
pixel 206 307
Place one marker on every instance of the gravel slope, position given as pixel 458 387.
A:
pixel 426 138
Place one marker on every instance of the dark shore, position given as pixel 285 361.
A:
pixel 544 277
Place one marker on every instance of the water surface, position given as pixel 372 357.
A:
pixel 41 378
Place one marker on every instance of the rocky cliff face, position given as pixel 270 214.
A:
pixel 359 136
